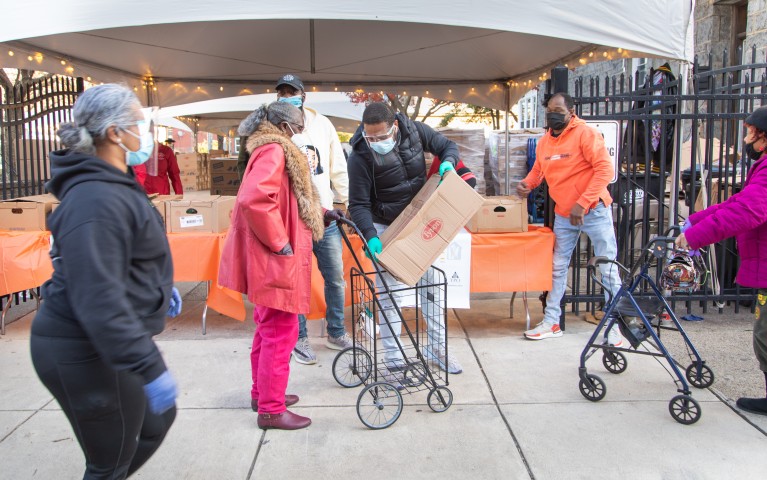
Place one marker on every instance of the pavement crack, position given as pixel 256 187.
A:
pixel 261 442
pixel 495 400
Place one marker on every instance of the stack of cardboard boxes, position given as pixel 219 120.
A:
pixel 224 178
pixel 187 164
pixel 194 171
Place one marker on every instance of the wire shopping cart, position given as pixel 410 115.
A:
pixel 390 365
pixel 633 316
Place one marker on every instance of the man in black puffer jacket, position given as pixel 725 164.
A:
pixel 387 168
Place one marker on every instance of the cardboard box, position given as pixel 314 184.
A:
pixel 424 229
pixel 222 165
pixel 231 191
pixel 159 202
pixel 500 215
pixel 187 162
pixel 455 261
pixel 225 180
pixel 200 215
pixel 27 213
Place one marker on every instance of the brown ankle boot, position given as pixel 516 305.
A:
pixel 282 421
pixel 289 400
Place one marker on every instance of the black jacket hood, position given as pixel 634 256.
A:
pixel 72 168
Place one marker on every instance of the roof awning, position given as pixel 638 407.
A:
pixel 190 50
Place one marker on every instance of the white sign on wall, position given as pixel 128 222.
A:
pixel 610 132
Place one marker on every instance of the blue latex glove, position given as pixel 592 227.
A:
pixel 161 393
pixel 445 167
pixel 175 303
pixel 687 224
pixel 375 246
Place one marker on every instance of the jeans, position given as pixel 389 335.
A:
pixel 598 225
pixel 329 253
pixel 760 329
pixel 431 311
pixel 107 408
pixel 273 341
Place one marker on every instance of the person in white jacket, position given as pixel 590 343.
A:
pixel 332 181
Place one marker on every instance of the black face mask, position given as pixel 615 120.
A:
pixel 752 152
pixel 555 121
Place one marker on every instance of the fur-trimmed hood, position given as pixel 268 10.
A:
pixel 309 206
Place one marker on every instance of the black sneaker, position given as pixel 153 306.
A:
pixel 753 405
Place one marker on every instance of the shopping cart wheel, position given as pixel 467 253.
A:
pixel 702 379
pixel 614 362
pixel 684 409
pixel 352 367
pixel 379 405
pixel 440 399
pixel 593 388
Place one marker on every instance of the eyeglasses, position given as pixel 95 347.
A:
pixel 298 128
pixel 378 138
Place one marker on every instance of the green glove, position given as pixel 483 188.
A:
pixel 445 167
pixel 375 247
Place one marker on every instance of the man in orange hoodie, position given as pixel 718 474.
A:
pixel 573 160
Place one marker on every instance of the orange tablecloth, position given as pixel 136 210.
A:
pixel 24 260
pixel 501 262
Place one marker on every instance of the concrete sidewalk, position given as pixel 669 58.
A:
pixel 517 414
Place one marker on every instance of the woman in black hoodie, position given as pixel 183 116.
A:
pixel 112 285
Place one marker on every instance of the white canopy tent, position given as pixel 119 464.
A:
pixel 222 116
pixel 487 53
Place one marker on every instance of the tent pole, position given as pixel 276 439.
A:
pixel 507 107
pixel 683 73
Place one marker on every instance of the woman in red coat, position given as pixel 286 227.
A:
pixel 268 253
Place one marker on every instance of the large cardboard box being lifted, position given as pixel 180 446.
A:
pixel 500 215
pixel 212 214
pixel 425 228
pixel 27 213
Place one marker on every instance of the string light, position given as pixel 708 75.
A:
pixel 336 89
pixel 591 54
pixel 10 53
pixel 70 69
pixel 63 62
pixel 427 92
pixel 220 89
pixel 449 90
pixel 29 58
pixel 88 79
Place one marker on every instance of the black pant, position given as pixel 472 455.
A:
pixel 106 408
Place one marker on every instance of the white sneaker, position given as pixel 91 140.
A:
pixel 614 337
pixel 449 364
pixel 544 330
pixel 338 343
pixel 303 352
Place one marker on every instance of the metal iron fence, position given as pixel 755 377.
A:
pixel 681 148
pixel 30 114
pixel 29 117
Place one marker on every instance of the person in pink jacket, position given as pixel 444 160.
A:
pixel 744 216
pixel 267 254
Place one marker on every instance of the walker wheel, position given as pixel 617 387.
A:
pixel 379 405
pixel 352 367
pixel 440 399
pixel 684 409
pixel 593 388
pixel 614 362
pixel 702 379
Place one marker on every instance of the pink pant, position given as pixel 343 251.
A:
pixel 275 337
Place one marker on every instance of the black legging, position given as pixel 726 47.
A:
pixel 107 408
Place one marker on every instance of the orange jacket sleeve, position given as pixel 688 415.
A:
pixel 260 196
pixel 595 152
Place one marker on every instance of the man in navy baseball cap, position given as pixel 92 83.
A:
pixel 292 80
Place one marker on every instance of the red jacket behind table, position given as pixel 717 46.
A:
pixel 167 168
